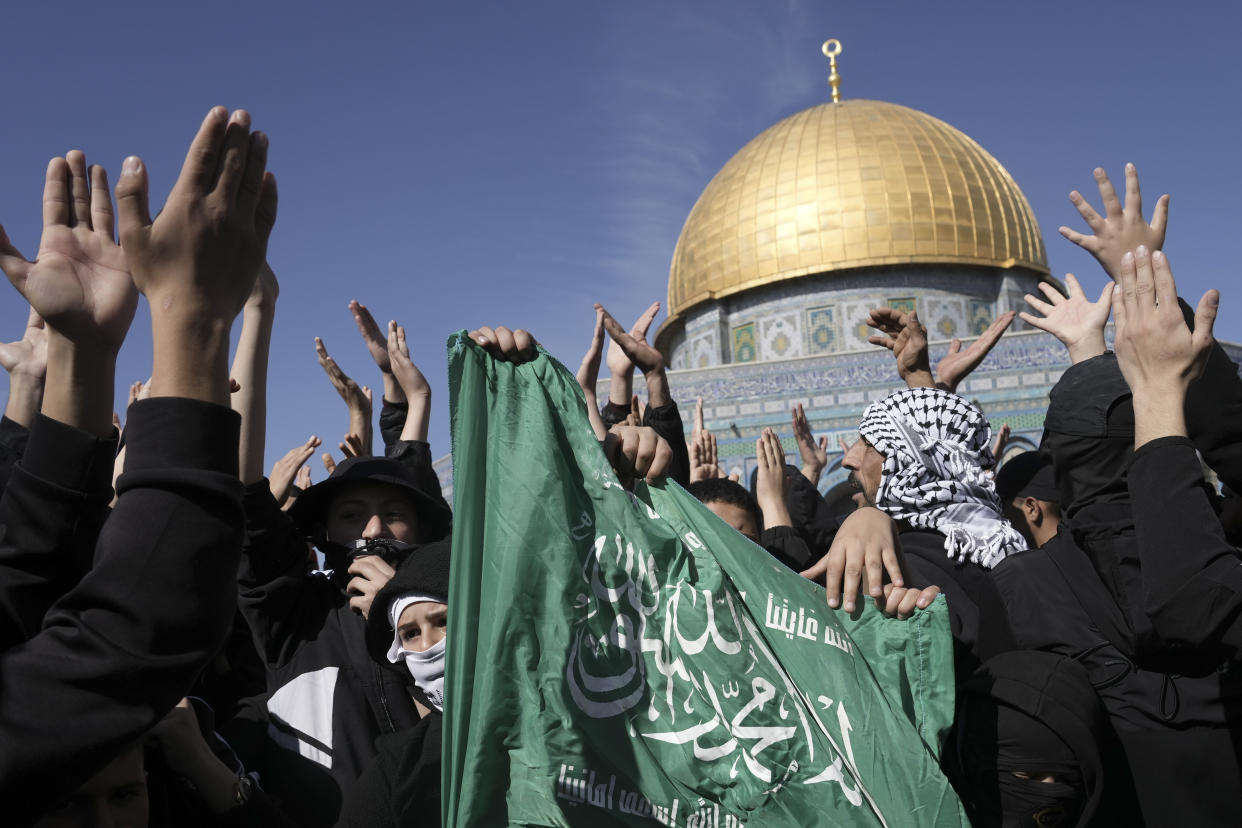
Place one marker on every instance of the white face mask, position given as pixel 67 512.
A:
pixel 427 668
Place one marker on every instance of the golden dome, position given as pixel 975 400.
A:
pixel 847 185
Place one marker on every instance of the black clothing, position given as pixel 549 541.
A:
pixel 401 787
pixel 1173 732
pixel 1034 713
pixel 787 546
pixel 13 437
pixel 52 512
pixel 327 700
pixel 812 517
pixel 117 651
pixel 976 614
pixel 1191 575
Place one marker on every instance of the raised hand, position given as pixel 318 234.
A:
pixel 27 356
pixel 26 363
pixel 814 454
pixel 588 375
pixel 1076 321
pixel 377 346
pixel 198 260
pixel 957 363
pixel 1122 228
pixel 80 281
pixel 1158 355
pixel 620 361
pixel 771 485
pixel 414 386
pixel 286 469
pixel 704 462
pixel 1000 441
pixel 516 346
pixel 351 446
pixel 356 398
pixel 903 334
pixel 633 345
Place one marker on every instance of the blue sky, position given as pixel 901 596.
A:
pixel 457 164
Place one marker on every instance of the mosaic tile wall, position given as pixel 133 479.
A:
pixel 828 314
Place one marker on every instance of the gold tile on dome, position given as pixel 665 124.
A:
pixel 846 185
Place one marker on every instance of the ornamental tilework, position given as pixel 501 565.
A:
pixel 744 345
pixel 821 326
pixel 780 337
pixel 704 352
pixel 904 304
pixel 980 316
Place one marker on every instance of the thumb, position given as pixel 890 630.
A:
pixel 1205 317
pixel 955 346
pixel 132 210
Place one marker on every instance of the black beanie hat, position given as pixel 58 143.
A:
pixel 425 571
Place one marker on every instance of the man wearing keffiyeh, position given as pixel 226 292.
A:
pixel 924 461
pixel 935 452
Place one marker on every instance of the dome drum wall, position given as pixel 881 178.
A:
pixel 827 313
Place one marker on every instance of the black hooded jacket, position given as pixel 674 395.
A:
pixel 1052 693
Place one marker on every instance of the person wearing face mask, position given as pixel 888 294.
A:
pixel 407 625
pixel 328 700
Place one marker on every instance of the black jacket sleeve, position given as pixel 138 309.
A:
pixel 1214 412
pixel 52 513
pixel 13 438
pixel 415 455
pixel 613 413
pixel 392 422
pixel 666 421
pixel 784 544
pixel 1192 576
pixel 277 597
pixel 118 650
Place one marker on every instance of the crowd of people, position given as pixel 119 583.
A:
pixel 188 641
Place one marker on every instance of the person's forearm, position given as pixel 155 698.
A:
pixel 1158 413
pixel 775 512
pixel 919 378
pixel 418 418
pixel 621 387
pixel 393 392
pixel 80 385
pixel 657 388
pixel 1086 349
pixel 191 357
pixel 250 371
pixel 25 399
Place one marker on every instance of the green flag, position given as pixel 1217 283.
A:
pixel 620 658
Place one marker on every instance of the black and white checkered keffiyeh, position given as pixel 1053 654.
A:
pixel 936 447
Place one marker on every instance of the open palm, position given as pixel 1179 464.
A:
pixel 79 282
pixel 1075 320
